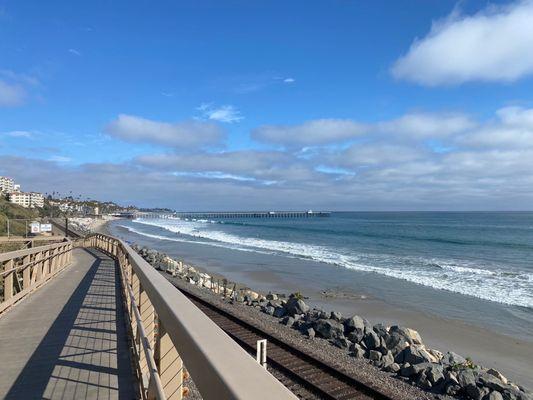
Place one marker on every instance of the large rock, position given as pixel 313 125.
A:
pixel 289 321
pixel 435 373
pixel 296 306
pixel 381 330
pixel 357 351
pixel 414 355
pixel 342 342
pixel 279 312
pixel 423 381
pixel 356 336
pixel 414 369
pixel 394 368
pixel 466 377
pixel 493 396
pixel 497 374
pixel 269 310
pixel 476 393
pixel 410 335
pixel 271 296
pixel 354 323
pixel 489 381
pixel 328 328
pixel 372 340
pixel 387 360
pixel 374 355
pixel 515 394
pixel 395 342
pixel 335 315
pixel 451 358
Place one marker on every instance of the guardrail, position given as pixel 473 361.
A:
pixel 169 330
pixel 23 271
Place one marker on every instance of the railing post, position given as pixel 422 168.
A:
pixel 8 280
pixel 46 264
pixel 26 274
pixel 38 268
pixel 135 288
pixel 146 309
pixel 169 365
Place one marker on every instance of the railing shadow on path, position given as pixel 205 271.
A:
pixel 84 354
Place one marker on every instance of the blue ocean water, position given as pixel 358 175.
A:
pixel 486 255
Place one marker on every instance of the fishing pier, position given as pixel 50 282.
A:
pixel 234 214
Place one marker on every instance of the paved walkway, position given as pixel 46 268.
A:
pixel 68 340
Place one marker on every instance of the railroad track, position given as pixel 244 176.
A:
pixel 295 369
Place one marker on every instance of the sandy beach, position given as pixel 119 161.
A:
pixel 490 348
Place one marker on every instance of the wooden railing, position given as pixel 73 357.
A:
pixel 23 271
pixel 169 331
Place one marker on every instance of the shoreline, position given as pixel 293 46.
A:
pixel 513 357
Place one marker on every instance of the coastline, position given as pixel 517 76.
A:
pixel 512 356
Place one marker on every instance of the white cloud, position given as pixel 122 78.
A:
pixel 513 128
pixel 20 134
pixel 378 154
pixel 289 80
pixel 11 94
pixel 315 132
pixel 493 45
pixel 516 116
pixel 412 126
pixel 60 159
pixel 186 134
pixel 75 52
pixel 227 113
pixel 427 125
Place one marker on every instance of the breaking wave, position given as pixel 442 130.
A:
pixel 464 277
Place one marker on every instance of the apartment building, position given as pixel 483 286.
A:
pixel 28 200
pixel 7 185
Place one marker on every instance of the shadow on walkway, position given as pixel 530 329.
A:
pixel 84 354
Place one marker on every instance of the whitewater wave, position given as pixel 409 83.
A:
pixel 466 278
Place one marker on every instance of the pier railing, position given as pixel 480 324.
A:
pixel 170 331
pixel 23 271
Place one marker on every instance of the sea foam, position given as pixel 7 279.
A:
pixel 451 275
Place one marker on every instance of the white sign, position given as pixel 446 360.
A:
pixel 35 227
pixel 46 227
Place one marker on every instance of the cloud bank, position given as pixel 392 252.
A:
pixel 385 165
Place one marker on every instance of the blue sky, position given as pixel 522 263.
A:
pixel 239 104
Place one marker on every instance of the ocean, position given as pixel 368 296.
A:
pixel 470 266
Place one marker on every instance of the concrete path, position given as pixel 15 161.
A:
pixel 68 340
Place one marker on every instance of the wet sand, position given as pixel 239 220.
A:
pixel 511 355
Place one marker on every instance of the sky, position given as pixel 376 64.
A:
pixel 261 105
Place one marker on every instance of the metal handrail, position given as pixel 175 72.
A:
pixel 220 368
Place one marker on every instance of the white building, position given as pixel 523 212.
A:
pixel 36 200
pixel 7 185
pixel 28 200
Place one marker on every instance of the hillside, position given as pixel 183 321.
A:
pixel 14 212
